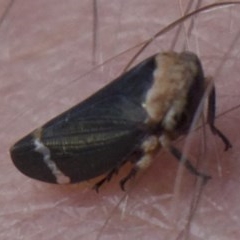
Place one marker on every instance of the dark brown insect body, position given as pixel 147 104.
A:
pixel 135 115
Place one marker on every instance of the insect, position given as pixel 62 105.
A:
pixel 128 120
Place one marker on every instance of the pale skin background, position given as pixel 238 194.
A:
pixel 45 49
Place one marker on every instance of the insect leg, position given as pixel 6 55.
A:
pixel 149 148
pixel 135 155
pixel 130 175
pixel 166 143
pixel 142 163
pixel 211 118
pixel 180 157
pixel 107 178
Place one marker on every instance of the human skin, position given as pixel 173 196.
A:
pixel 45 53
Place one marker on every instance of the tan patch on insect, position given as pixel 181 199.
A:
pixel 150 147
pixel 37 133
pixel 42 149
pixel 167 97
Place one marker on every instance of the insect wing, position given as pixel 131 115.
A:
pixel 91 138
